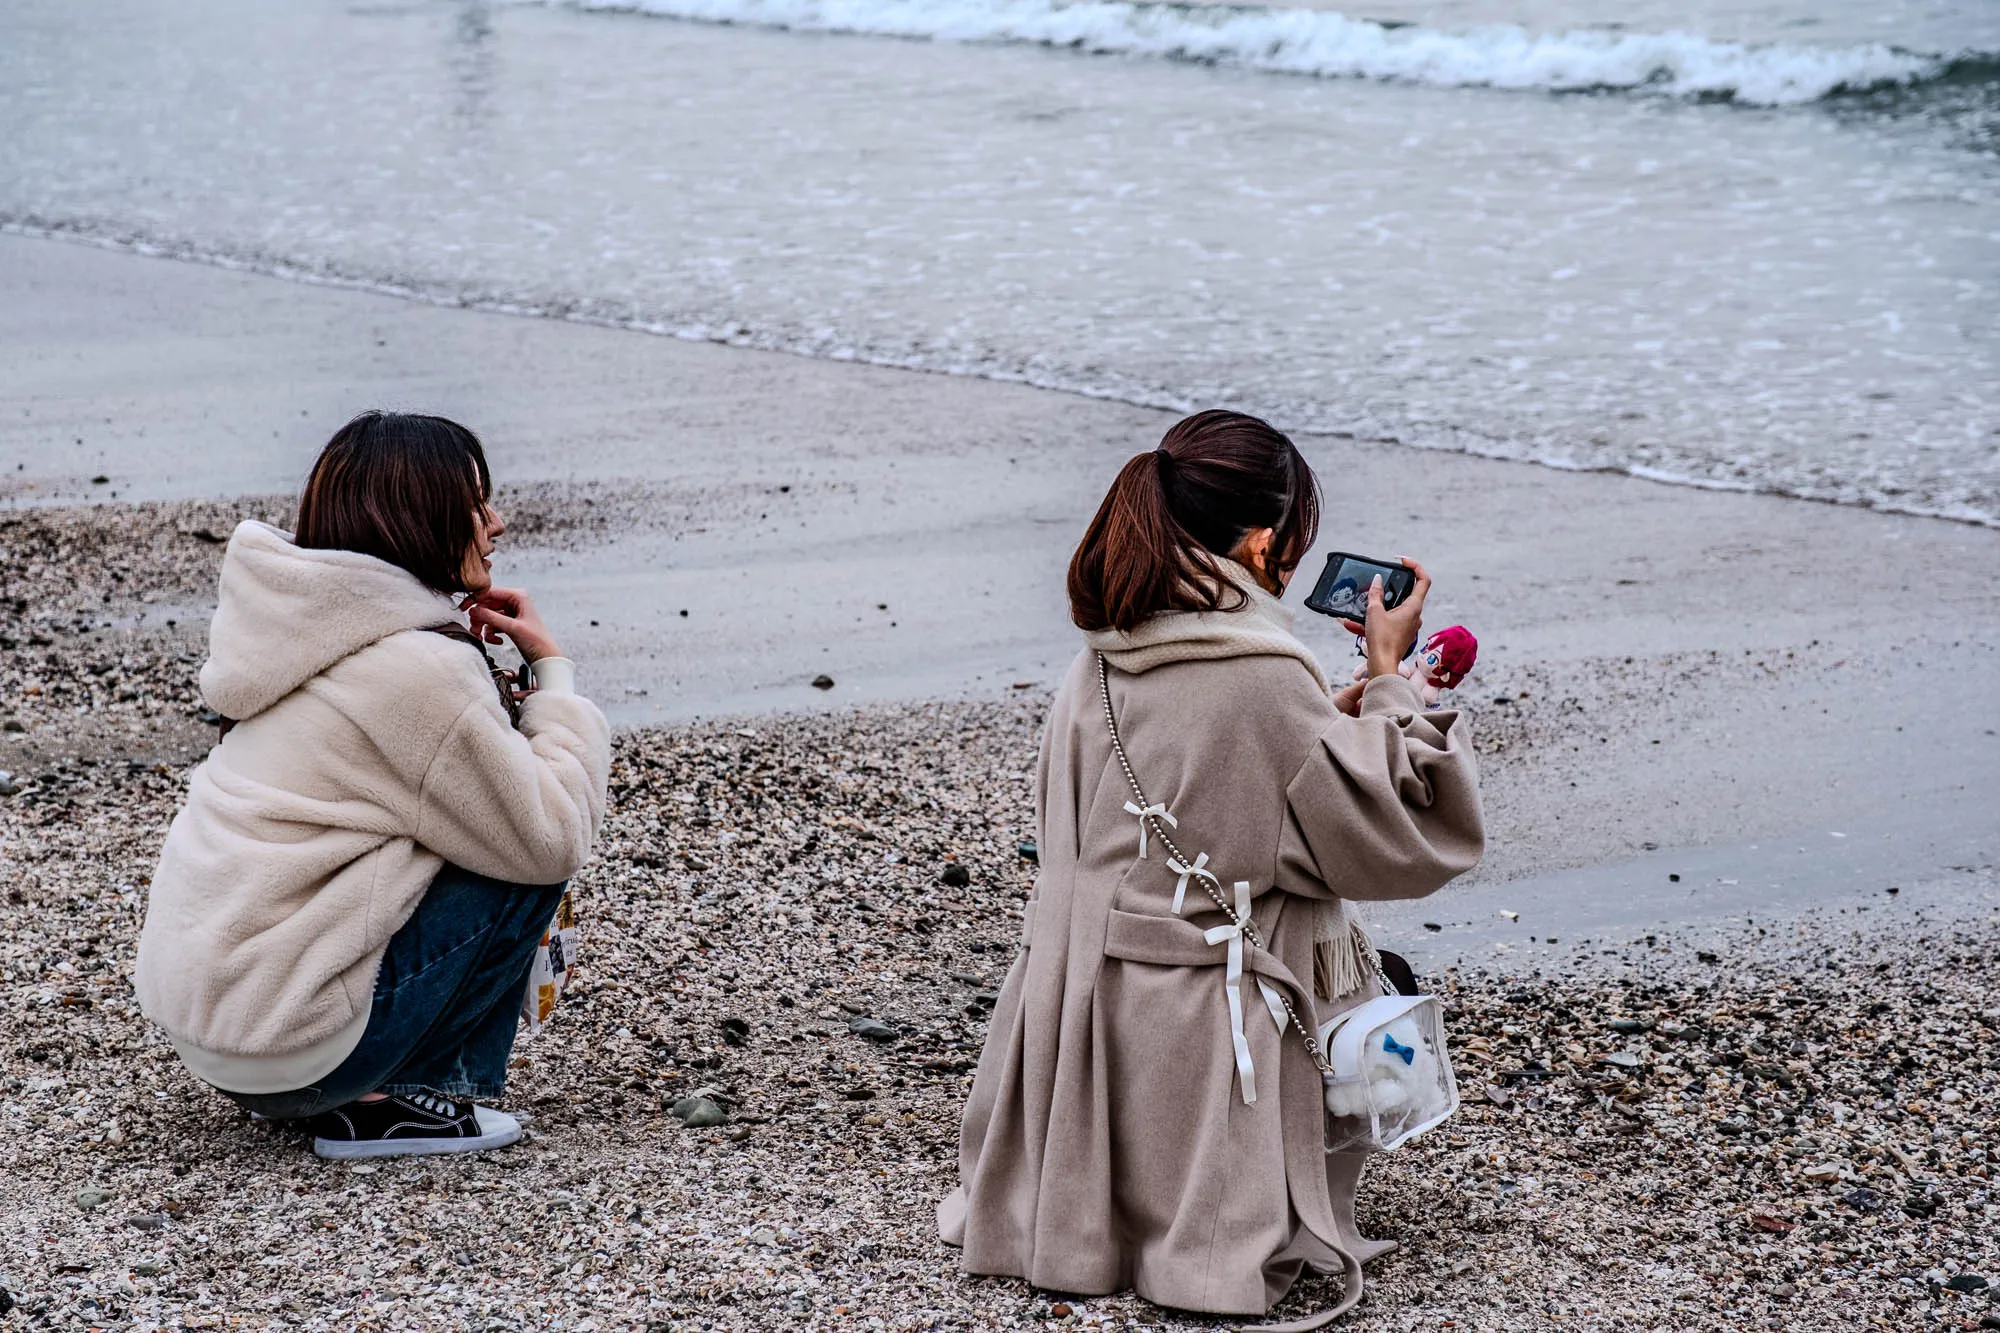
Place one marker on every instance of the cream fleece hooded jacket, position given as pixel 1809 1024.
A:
pixel 367 754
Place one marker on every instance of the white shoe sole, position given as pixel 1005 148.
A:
pixel 501 1130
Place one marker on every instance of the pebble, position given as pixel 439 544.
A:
pixel 955 876
pixel 822 682
pixel 148 1221
pixel 871 1029
pixel 1967 1282
pixel 698 1113
pixel 90 1196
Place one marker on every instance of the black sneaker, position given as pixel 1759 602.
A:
pixel 419 1124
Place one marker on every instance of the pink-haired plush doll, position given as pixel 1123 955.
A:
pixel 1441 664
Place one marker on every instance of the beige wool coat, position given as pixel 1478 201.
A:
pixel 1107 1143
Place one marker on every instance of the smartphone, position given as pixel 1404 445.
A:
pixel 1342 590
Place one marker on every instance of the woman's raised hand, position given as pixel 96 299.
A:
pixel 510 612
pixel 1391 634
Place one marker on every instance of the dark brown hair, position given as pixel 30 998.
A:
pixel 1152 547
pixel 400 487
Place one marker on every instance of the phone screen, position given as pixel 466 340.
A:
pixel 1342 590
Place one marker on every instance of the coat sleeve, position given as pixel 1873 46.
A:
pixel 522 806
pixel 1386 804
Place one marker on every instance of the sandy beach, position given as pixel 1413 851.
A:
pixel 1728 1045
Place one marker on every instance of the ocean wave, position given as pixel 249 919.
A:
pixel 1331 45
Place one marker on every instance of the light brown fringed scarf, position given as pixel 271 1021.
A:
pixel 1343 957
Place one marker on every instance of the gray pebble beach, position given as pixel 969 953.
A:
pixel 745 1112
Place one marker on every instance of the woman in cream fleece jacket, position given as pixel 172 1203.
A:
pixel 344 912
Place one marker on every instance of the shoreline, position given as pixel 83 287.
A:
pixel 1463 441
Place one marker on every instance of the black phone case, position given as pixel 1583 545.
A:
pixel 1401 581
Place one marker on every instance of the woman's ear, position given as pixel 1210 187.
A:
pixel 1253 552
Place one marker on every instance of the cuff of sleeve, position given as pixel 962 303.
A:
pixel 1392 693
pixel 554 675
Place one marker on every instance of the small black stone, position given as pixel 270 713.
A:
pixel 955 876
pixel 735 1031
pixel 1966 1282
pixel 870 1029
pixel 822 682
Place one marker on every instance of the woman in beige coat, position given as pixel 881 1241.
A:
pixel 1134 1123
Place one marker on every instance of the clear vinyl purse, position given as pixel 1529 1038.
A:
pixel 1388 1075
pixel 1384 1063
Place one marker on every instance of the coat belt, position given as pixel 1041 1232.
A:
pixel 1172 942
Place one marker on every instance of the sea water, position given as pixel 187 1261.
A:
pixel 1739 243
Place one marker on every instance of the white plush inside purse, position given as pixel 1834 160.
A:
pixel 1388 1077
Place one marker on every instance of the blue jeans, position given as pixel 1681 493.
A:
pixel 447 998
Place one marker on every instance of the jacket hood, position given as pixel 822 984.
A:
pixel 1261 627
pixel 285 614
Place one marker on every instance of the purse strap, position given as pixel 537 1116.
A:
pixel 505 682
pixel 1158 829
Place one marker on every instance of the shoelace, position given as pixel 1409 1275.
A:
pixel 435 1104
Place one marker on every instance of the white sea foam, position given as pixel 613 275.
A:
pixel 1326 44
pixel 1811 482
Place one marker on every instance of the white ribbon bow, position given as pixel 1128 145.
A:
pixel 1187 872
pixel 1231 932
pixel 1159 810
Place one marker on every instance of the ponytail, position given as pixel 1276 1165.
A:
pixel 1154 543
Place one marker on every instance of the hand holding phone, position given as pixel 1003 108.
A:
pixel 1394 628
pixel 1382 599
